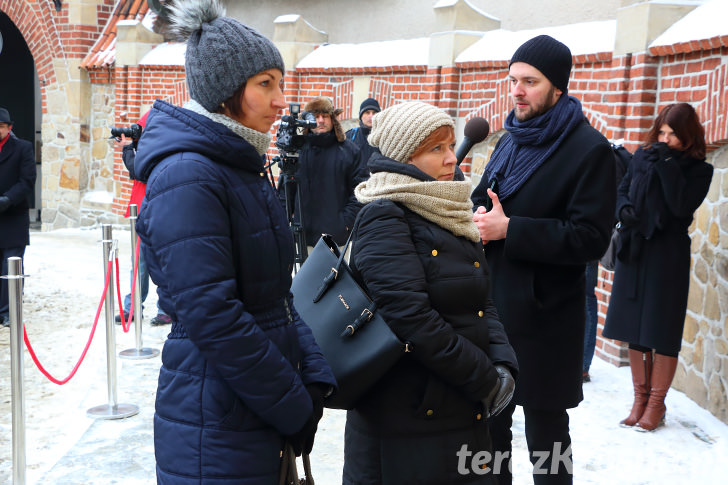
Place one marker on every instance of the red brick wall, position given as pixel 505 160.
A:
pixel 620 95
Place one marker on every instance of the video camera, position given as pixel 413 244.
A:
pixel 288 139
pixel 134 131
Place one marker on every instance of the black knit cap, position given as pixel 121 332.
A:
pixel 369 103
pixel 549 56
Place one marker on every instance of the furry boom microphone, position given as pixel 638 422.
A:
pixel 475 131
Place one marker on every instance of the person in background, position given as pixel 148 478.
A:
pixel 241 372
pixel 17 183
pixel 329 168
pixel 419 255
pixel 667 180
pixel 138 189
pixel 369 107
pixel 550 182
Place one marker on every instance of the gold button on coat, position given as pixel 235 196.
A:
pixel 477 264
pixel 480 313
pixel 434 252
pixel 430 412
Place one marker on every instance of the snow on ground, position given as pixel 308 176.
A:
pixel 64 446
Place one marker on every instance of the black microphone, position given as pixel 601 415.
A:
pixel 476 129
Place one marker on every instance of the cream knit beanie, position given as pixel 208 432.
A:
pixel 398 130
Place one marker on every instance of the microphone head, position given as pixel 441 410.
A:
pixel 476 129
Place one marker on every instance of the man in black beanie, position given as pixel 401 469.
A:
pixel 369 107
pixel 549 190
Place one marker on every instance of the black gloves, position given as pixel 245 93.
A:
pixel 4 203
pixel 659 151
pixel 502 393
pixel 302 441
pixel 627 216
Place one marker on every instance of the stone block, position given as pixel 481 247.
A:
pixel 641 23
pixel 714 234
pixel 696 389
pixel 70 171
pixel 712 305
pixel 700 270
pixel 690 330
pixel 695 296
pixel 698 354
pixel 99 148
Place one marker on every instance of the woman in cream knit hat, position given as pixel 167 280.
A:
pixel 419 254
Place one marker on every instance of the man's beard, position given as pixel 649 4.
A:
pixel 539 109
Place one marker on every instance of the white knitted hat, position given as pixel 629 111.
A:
pixel 398 130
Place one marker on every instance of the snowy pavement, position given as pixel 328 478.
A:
pixel 64 446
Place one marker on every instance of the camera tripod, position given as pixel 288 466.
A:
pixel 288 163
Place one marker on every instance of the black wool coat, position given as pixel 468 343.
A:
pixel 328 171
pixel 560 219
pixel 432 288
pixel 17 182
pixel 359 136
pixel 650 290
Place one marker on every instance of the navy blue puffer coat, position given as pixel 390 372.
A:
pixel 218 247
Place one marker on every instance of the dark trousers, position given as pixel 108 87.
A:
pixel 549 444
pixel 6 253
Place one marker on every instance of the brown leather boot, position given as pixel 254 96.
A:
pixel 641 365
pixel 663 370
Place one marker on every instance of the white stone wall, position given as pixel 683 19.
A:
pixel 703 369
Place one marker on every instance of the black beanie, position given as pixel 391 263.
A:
pixel 549 56
pixel 369 103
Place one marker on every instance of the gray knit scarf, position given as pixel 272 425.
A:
pixel 259 141
pixel 446 204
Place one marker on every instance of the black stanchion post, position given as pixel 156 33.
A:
pixel 112 410
pixel 138 352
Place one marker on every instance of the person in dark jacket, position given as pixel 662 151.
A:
pixel 128 155
pixel 419 255
pixel 241 372
pixel 17 182
pixel 551 185
pixel 368 108
pixel 328 170
pixel 667 180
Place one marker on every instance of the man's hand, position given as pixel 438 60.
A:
pixel 121 143
pixel 492 225
pixel 4 203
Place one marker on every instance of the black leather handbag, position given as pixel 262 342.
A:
pixel 609 260
pixel 355 340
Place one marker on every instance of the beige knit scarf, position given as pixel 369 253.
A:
pixel 446 204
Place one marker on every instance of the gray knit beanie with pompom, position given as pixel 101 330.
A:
pixel 222 53
pixel 398 130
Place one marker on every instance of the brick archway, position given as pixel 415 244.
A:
pixel 35 23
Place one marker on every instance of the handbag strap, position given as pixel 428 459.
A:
pixel 331 277
pixel 289 471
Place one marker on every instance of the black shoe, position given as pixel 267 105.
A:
pixel 585 377
pixel 117 318
pixel 161 319
pixel 5 321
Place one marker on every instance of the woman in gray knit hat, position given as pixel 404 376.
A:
pixel 241 372
pixel 419 255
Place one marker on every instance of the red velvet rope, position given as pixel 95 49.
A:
pixel 85 349
pixel 126 323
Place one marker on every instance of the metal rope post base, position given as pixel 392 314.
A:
pixel 112 410
pixel 139 351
